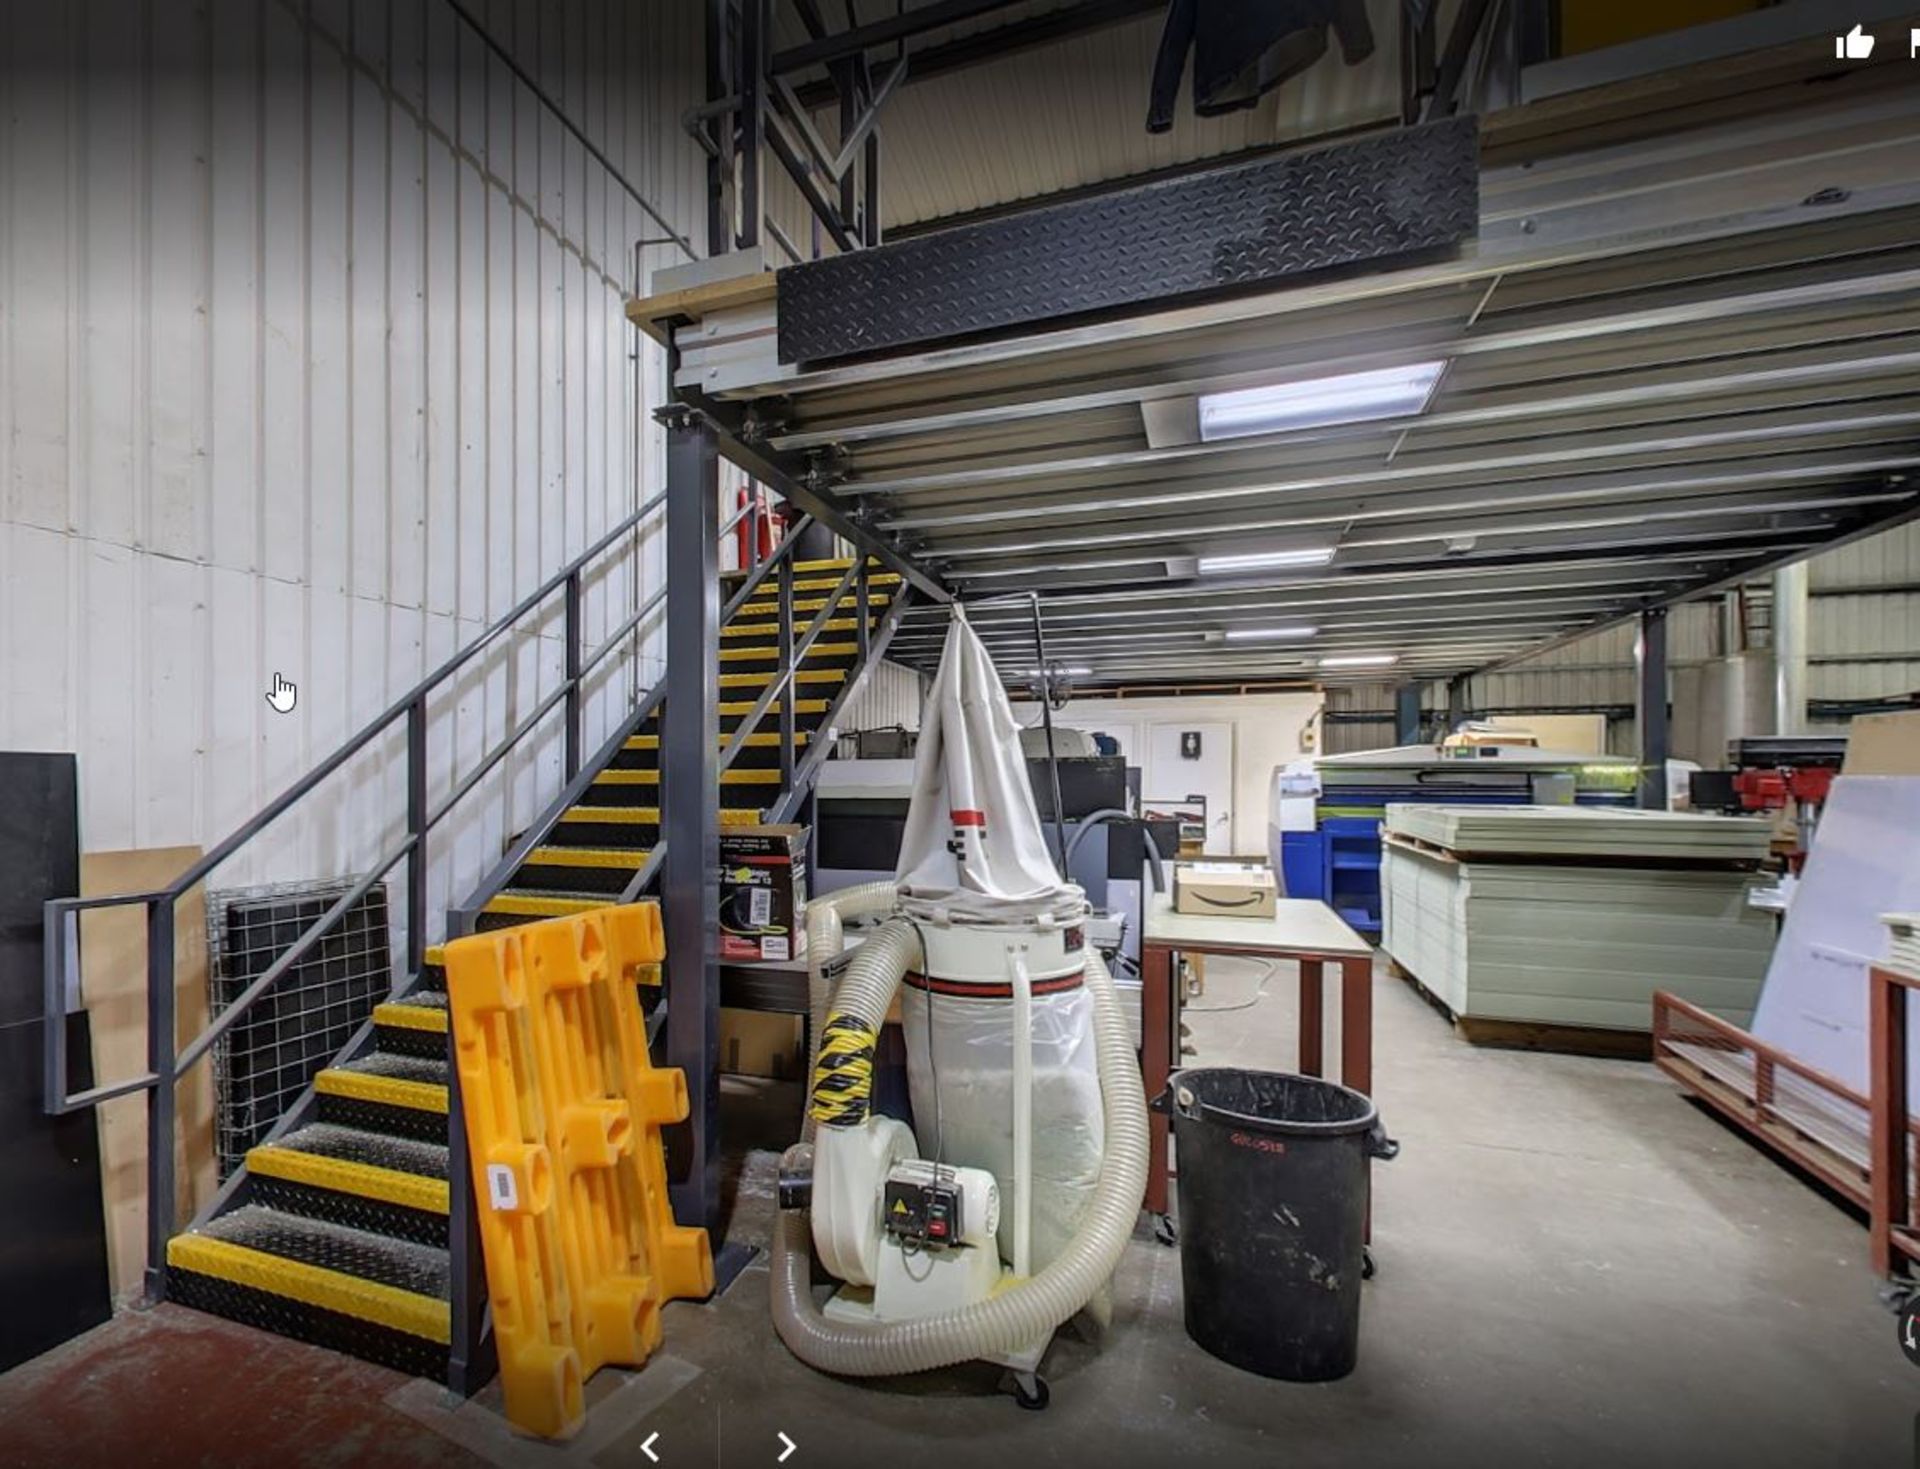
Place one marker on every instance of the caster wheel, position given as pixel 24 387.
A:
pixel 1367 1267
pixel 1164 1232
pixel 1030 1391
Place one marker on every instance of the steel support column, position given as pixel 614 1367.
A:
pixel 1790 589
pixel 1456 702
pixel 690 822
pixel 1406 714
pixel 1651 708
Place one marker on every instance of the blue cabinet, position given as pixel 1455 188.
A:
pixel 1350 864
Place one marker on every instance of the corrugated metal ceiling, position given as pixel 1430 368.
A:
pixel 1670 363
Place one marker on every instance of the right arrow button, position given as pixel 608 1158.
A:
pixel 787 1452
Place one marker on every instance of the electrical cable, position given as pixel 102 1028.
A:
pixel 1259 993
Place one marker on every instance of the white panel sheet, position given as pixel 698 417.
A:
pixel 1865 862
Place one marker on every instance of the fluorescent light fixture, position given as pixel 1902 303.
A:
pixel 1360 660
pixel 1350 397
pixel 1058 672
pixel 1263 560
pixel 1266 634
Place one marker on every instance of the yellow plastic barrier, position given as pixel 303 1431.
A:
pixel 563 1115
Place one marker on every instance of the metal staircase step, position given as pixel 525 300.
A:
pixel 760 741
pixel 821 650
pixel 365 1180
pixel 810 605
pixel 743 627
pixel 760 678
pixel 376 1297
pixel 387 1092
pixel 603 870
pixel 516 903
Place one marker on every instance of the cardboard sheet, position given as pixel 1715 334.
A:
pixel 113 987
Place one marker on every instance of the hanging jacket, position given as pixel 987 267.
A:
pixel 1245 48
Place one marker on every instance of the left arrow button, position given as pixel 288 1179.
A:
pixel 647 1448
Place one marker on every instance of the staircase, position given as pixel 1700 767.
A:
pixel 347 1227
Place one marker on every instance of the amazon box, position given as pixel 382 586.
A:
pixel 763 892
pixel 1225 889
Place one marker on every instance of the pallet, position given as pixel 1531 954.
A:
pixel 1567 859
pixel 1529 1035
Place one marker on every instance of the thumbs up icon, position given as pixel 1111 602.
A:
pixel 282 695
pixel 1855 45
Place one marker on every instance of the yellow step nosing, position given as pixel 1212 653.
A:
pixel 739 708
pixel 847 599
pixel 344 1176
pixel 390 1091
pixel 620 857
pixel 757 741
pixel 527 905
pixel 402 1016
pixel 314 1285
pixel 627 778
pixel 818 650
pixel 437 955
pixel 613 815
pixel 803 675
pixel 772 629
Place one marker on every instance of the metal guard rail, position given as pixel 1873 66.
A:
pixel 165 1065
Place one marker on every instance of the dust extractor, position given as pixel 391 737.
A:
pixel 1005 1210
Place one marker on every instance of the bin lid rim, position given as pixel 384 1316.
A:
pixel 1213 1111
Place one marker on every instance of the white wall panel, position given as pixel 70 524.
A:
pixel 889 699
pixel 313 361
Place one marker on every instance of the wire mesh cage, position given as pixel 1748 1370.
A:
pixel 293 1031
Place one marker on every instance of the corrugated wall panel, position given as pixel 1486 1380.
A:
pixel 889 699
pixel 313 362
pixel 1864 647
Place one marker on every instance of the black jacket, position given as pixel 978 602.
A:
pixel 1243 48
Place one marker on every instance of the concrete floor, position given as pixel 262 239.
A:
pixel 1576 1267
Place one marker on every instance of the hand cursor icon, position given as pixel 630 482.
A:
pixel 282 695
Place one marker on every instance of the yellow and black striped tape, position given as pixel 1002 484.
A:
pixel 843 1076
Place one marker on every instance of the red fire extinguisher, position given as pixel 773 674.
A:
pixel 755 528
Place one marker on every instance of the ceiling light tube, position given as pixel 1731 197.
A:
pixel 1360 660
pixel 1350 397
pixel 1267 634
pixel 1263 560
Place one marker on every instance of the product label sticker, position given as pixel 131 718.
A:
pixel 503 1191
pixel 760 907
pixel 771 948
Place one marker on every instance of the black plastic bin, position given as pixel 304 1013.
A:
pixel 1273 1190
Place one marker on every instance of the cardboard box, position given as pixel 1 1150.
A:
pixel 755 1043
pixel 763 892
pixel 1883 744
pixel 1234 889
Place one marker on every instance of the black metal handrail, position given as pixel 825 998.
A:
pixel 165 1066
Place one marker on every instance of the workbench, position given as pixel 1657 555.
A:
pixel 1302 930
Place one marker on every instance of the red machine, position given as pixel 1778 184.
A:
pixel 1787 772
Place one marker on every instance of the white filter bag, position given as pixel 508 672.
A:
pixel 960 1075
pixel 973 849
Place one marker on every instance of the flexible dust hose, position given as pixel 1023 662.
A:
pixel 826 917
pixel 1025 1313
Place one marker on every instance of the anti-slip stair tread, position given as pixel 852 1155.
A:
pixel 542 896
pixel 373 1149
pixel 622 857
pixel 400 1264
pixel 426 999
pixel 754 741
pixel 423 1069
